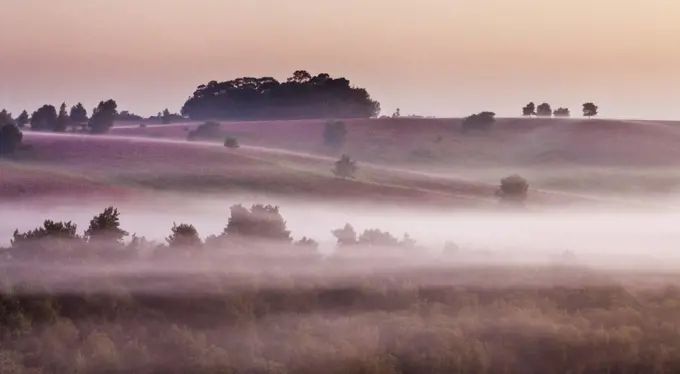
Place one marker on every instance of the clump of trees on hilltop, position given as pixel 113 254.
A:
pixel 544 110
pixel 299 97
pixel 480 122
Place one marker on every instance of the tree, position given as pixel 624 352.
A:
pixel 345 167
pixel 589 110
pixel 301 96
pixel 10 139
pixel 62 119
pixel 52 238
pixel 208 130
pixel 231 142
pixel 346 236
pixel 103 116
pixel 183 236
pixel 44 119
pixel 513 189
pixel 561 112
pixel 78 114
pixel 6 118
pixel 375 237
pixel 529 110
pixel 260 222
pixel 23 119
pixel 105 228
pixel 166 117
pixel 480 121
pixel 334 134
pixel 397 113
pixel 544 110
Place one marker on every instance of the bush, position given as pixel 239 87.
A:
pixel 480 121
pixel 345 167
pixel 183 236
pixel 513 189
pixel 562 112
pixel 10 139
pixel 334 134
pixel 231 142
pixel 260 222
pixel 207 130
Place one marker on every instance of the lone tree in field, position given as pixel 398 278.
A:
pixel 23 119
pixel 345 167
pixel 513 189
pixel 103 116
pixel 105 228
pixel 78 114
pixel 480 121
pixel 544 110
pixel 63 119
pixel 562 112
pixel 10 139
pixel 529 110
pixel 183 235
pixel 44 119
pixel 334 134
pixel 589 110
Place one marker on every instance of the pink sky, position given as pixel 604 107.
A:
pixel 430 57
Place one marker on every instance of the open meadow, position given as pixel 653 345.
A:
pixel 411 266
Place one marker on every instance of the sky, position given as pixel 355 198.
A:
pixel 429 57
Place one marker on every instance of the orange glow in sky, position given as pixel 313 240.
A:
pixel 430 57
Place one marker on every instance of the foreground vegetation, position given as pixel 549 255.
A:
pixel 97 302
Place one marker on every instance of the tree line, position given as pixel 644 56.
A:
pixel 545 110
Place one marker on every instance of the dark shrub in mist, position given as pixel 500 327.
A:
pixel 105 228
pixel 345 167
pixel 183 235
pixel 207 130
pixel 513 189
pixel 231 142
pixel 480 121
pixel 262 222
pixel 10 139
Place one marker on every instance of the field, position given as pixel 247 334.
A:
pixel 582 279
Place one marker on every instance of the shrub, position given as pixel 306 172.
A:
pixel 513 189
pixel 544 110
pixel 345 235
pixel 183 236
pixel 260 222
pixel 105 228
pixel 345 167
pixel 306 242
pixel 480 121
pixel 207 130
pixel 231 142
pixel 334 134
pixel 562 112
pixel 10 139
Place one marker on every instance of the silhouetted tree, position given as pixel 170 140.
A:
pixel 307 243
pixel 375 237
pixel 44 119
pixel 301 96
pixel 105 228
pixel 231 142
pixel 125 115
pixel 529 110
pixel 62 119
pixel 397 113
pixel 480 121
pixel 78 114
pixel 589 110
pixel 334 134
pixel 165 117
pixel 345 236
pixel 6 118
pixel 10 139
pixel 103 116
pixel 23 119
pixel 513 189
pixel 562 112
pixel 260 222
pixel 544 110
pixel 183 236
pixel 345 167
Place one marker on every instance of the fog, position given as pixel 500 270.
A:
pixel 604 235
